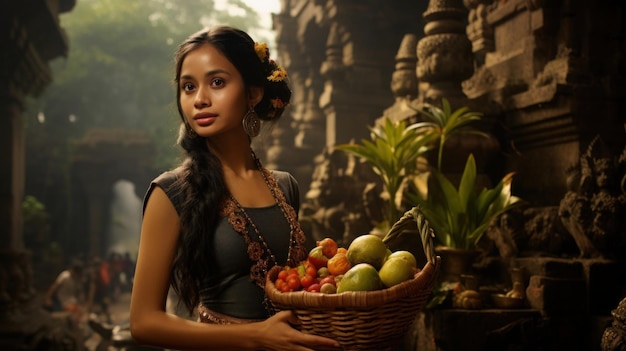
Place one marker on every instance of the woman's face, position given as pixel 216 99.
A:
pixel 212 93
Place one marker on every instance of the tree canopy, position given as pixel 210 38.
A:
pixel 118 75
pixel 119 69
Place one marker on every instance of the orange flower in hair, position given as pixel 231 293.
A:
pixel 278 75
pixel 261 51
pixel 277 103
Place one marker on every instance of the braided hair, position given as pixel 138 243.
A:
pixel 201 182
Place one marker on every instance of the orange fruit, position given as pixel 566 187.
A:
pixel 338 264
pixel 329 247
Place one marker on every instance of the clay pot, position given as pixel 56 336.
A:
pixel 455 262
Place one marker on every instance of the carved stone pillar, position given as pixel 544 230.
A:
pixel 296 138
pixel 31 37
pixel 478 30
pixel 353 71
pixel 404 85
pixel 444 54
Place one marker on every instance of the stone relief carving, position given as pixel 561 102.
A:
pixel 594 207
pixel 614 337
pixel 589 221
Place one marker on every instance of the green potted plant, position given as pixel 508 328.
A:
pixel 461 215
pixel 393 154
pixel 458 215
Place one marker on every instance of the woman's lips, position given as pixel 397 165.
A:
pixel 204 119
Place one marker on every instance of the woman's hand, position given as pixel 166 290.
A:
pixel 277 333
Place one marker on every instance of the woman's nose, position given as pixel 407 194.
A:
pixel 202 98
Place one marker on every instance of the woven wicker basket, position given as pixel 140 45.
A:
pixel 371 320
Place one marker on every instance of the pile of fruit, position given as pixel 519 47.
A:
pixel 367 264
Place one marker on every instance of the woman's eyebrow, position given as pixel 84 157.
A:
pixel 207 74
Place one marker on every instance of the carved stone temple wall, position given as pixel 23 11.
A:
pixel 548 77
pixel 339 55
pixel 31 37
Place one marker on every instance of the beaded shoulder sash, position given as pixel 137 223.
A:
pixel 258 251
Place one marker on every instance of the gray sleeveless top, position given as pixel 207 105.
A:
pixel 229 290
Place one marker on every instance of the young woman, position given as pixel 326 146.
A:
pixel 215 225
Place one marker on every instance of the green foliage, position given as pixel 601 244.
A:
pixel 392 153
pixel 117 75
pixel 33 209
pixel 36 222
pixel 461 216
pixel 445 123
pixel 119 69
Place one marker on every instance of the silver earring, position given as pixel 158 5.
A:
pixel 251 123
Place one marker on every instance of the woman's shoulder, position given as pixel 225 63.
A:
pixel 167 178
pixel 283 176
pixel 289 186
pixel 165 181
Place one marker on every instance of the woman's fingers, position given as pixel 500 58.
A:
pixel 307 340
pixel 288 316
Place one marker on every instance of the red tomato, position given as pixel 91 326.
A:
pixel 293 282
pixel 306 281
pixel 279 283
pixel 311 270
pixel 285 288
pixel 327 279
pixel 283 274
pixel 313 288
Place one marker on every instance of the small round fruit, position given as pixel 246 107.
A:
pixel 361 277
pixel 315 287
pixel 306 281
pixel 329 279
pixel 395 271
pixel 405 255
pixel 369 249
pixel 338 264
pixel 329 247
pixel 328 288
pixel 323 272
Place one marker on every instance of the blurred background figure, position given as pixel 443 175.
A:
pixel 67 293
pixel 98 288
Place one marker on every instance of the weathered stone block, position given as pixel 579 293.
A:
pixel 552 267
pixel 555 296
pixel 607 286
pixel 469 330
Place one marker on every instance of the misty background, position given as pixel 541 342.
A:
pixel 118 75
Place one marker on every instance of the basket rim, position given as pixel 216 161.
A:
pixel 422 281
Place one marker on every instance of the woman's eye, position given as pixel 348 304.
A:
pixel 187 87
pixel 217 82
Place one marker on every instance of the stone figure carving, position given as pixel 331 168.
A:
pixel 594 207
pixel 614 337
pixel 530 231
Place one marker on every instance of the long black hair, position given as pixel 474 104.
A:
pixel 201 180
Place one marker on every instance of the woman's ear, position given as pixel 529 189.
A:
pixel 255 95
